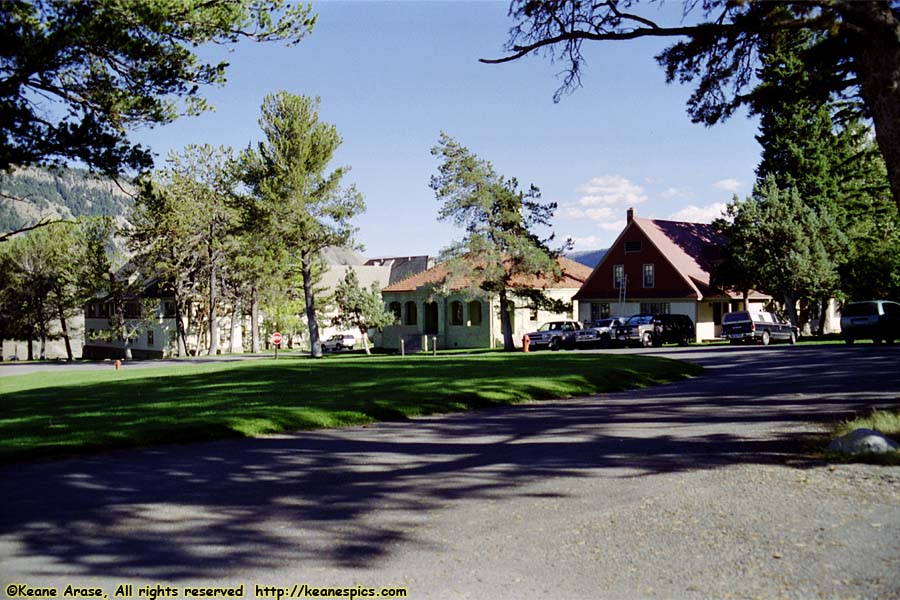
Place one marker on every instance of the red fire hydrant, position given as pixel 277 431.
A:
pixel 526 341
pixel 118 364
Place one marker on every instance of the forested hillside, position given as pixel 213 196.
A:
pixel 30 194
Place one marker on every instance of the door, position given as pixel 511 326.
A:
pixel 431 318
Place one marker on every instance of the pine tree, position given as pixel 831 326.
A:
pixel 184 221
pixel 501 253
pixel 837 172
pixel 778 245
pixel 359 307
pixel 301 205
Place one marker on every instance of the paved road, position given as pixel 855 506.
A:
pixel 697 489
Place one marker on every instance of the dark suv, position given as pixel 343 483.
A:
pixel 656 330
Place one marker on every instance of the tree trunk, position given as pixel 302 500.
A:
pixel 506 323
pixel 315 345
pixel 254 320
pixel 213 324
pixel 873 33
pixel 790 308
pixel 804 317
pixel 365 337
pixel 42 325
pixel 65 331
pixel 823 316
pixel 180 335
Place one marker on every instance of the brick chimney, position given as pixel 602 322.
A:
pixel 630 215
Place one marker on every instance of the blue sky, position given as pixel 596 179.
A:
pixel 392 75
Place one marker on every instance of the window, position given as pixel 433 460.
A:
pixel 474 313
pixel 632 247
pixel 649 276
pixel 618 276
pixel 412 317
pixel 655 308
pixel 169 309
pixel 132 310
pixel 456 313
pixel 534 313
pixel 599 310
pixel 394 309
pixel 150 338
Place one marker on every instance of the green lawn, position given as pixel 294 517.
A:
pixel 75 411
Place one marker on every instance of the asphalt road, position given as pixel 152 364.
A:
pixel 697 489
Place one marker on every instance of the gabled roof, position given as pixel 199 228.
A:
pixel 574 276
pixel 693 249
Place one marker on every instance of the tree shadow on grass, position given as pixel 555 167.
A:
pixel 351 497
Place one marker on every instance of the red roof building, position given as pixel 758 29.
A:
pixel 455 319
pixel 657 266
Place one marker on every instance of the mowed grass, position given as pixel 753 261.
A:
pixel 60 413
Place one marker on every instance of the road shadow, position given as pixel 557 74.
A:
pixel 350 497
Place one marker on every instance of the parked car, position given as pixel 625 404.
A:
pixel 878 320
pixel 656 330
pixel 339 342
pixel 599 333
pixel 555 335
pixel 765 327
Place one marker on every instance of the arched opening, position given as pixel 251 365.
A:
pixel 431 317
pixel 412 314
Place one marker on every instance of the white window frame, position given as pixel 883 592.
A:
pixel 618 276
pixel 652 272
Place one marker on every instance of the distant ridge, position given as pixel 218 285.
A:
pixel 58 194
pixel 588 258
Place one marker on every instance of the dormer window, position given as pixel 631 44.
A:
pixel 632 247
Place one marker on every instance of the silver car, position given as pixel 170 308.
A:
pixel 555 335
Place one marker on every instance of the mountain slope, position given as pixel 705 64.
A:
pixel 30 194
pixel 589 258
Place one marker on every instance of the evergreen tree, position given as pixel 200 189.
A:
pixel 359 307
pixel 778 245
pixel 798 145
pixel 100 67
pixel 162 238
pixel 301 205
pixel 500 253
pixel 184 220
pixel 46 278
pixel 855 53
pixel 837 173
